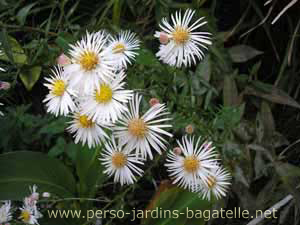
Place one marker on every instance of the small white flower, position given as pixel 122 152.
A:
pixel 120 164
pixel 59 100
pixel 217 184
pixel 142 132
pixel 124 48
pixel 195 164
pixel 184 41
pixel 5 212
pixel 107 102
pixel 30 215
pixel 85 130
pixel 46 195
pixel 91 62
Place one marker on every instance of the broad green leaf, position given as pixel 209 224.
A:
pixel 89 171
pixel 179 202
pixel 22 14
pixel 243 53
pixel 31 76
pixel 20 169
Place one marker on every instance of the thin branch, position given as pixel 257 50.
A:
pixel 275 207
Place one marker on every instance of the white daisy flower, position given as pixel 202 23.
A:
pixel 184 43
pixel 5 212
pixel 124 48
pixel 30 215
pixel 85 130
pixel 120 164
pixel 59 100
pixel 216 185
pixel 196 163
pixel 107 102
pixel 142 132
pixel 91 61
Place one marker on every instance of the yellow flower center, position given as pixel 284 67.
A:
pixel 85 122
pixel 191 164
pixel 88 60
pixel 59 88
pixel 181 35
pixel 119 48
pixel 104 94
pixel 137 127
pixel 25 216
pixel 119 160
pixel 211 182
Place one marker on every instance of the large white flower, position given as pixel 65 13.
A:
pixel 141 132
pixel 195 164
pixel 91 62
pixel 59 100
pixel 85 130
pixel 5 212
pixel 108 101
pixel 182 43
pixel 124 48
pixel 217 184
pixel 120 163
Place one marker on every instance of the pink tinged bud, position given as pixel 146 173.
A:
pixel 163 38
pixel 153 101
pixel 63 60
pixel 177 151
pixel 189 129
pixel 4 85
pixel 46 195
pixel 35 196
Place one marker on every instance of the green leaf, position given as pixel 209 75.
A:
pixel 22 14
pixel 89 171
pixel 58 149
pixel 230 92
pixel 146 57
pixel 272 94
pixel 290 175
pixel 13 51
pixel 31 76
pixel 181 202
pixel 20 169
pixel 243 53
pixel 5 44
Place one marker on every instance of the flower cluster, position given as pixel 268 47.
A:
pixel 195 167
pixel 89 86
pixel 29 212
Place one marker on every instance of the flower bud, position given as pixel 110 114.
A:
pixel 153 101
pixel 177 151
pixel 4 85
pixel 163 38
pixel 46 195
pixel 63 60
pixel 189 129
